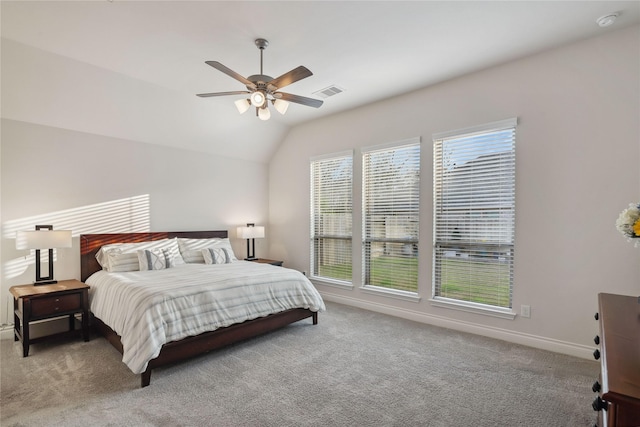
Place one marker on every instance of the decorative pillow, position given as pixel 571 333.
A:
pixel 225 244
pixel 118 262
pixel 170 244
pixel 216 256
pixel 154 259
pixel 191 249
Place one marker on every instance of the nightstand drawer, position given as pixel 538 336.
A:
pixel 55 304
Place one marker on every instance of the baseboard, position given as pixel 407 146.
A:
pixel 6 332
pixel 40 328
pixel 529 340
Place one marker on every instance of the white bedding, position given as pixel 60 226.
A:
pixel 150 308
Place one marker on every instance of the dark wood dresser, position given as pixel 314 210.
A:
pixel 618 388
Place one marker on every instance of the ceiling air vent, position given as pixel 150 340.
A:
pixel 328 91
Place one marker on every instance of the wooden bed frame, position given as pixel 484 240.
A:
pixel 176 351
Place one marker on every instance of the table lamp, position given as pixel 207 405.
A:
pixel 251 232
pixel 44 237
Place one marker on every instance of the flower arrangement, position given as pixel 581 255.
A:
pixel 628 223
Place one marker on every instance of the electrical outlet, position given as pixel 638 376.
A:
pixel 525 311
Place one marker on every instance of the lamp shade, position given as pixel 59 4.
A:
pixel 43 239
pixel 242 105
pixel 251 232
pixel 264 113
pixel 281 105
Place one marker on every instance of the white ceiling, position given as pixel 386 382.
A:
pixel 373 50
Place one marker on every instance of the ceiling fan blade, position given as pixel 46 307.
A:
pixel 228 71
pixel 237 92
pixel 290 77
pixel 309 102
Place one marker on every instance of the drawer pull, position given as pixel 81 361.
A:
pixel 597 316
pixel 599 404
pixel 596 387
pixel 596 340
pixel 596 354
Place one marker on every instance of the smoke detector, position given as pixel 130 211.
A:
pixel 607 20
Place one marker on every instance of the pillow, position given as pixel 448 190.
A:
pixel 216 256
pixel 154 259
pixel 191 249
pixel 226 245
pixel 193 257
pixel 118 262
pixel 169 244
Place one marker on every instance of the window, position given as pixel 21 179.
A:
pixel 331 217
pixel 391 209
pixel 474 215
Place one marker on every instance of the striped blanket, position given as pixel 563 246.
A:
pixel 150 308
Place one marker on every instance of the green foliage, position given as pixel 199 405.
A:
pixel 485 283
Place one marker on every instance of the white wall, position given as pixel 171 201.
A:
pixel 578 145
pixel 95 184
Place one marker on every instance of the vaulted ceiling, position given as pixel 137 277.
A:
pixel 131 69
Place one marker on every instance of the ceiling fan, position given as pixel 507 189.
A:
pixel 264 89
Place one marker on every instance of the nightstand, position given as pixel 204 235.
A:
pixel 31 303
pixel 268 261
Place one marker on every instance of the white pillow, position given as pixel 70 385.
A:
pixel 191 249
pixel 225 244
pixel 154 259
pixel 118 262
pixel 170 244
pixel 216 256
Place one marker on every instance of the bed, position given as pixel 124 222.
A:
pixel 173 351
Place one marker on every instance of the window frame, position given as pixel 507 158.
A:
pixel 469 246
pixel 367 239
pixel 313 237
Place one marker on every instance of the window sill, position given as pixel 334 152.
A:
pixel 470 307
pixel 392 293
pixel 329 282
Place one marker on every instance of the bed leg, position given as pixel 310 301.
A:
pixel 315 317
pixel 145 378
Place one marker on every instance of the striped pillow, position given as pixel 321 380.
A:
pixel 191 249
pixel 118 262
pixel 154 259
pixel 170 244
pixel 216 256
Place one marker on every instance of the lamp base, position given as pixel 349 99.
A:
pixel 251 259
pixel 45 282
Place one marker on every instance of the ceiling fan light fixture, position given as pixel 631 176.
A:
pixel 243 105
pixel 264 113
pixel 280 105
pixel 258 99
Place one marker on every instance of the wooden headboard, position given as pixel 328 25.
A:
pixel 91 243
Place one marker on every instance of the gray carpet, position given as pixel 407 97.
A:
pixel 354 368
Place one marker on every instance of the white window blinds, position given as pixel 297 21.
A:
pixel 331 217
pixel 474 214
pixel 391 210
